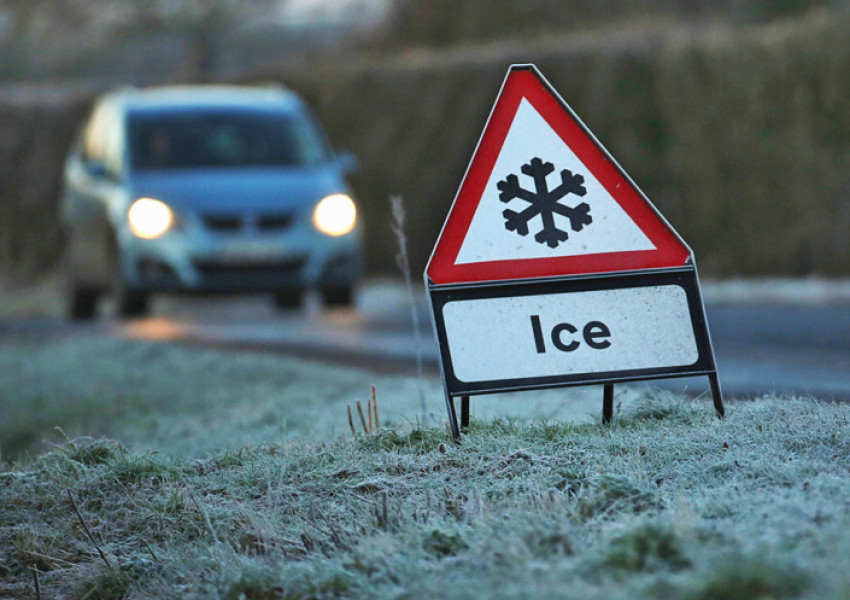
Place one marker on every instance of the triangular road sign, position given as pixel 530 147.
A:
pixel 542 198
pixel 553 269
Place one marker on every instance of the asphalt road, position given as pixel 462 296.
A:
pixel 788 342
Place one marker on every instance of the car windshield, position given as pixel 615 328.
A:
pixel 224 140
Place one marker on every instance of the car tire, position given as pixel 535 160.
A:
pixel 288 299
pixel 82 302
pixel 129 302
pixel 338 295
pixel 132 303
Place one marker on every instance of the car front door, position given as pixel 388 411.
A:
pixel 93 186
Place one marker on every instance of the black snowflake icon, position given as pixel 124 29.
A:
pixel 544 202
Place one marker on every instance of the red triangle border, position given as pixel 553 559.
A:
pixel 525 81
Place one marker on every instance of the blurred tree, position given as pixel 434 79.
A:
pixel 28 23
pixel 202 24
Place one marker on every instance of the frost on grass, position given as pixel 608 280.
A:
pixel 193 401
pixel 179 400
pixel 668 502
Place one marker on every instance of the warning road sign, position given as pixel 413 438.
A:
pixel 554 269
pixel 543 198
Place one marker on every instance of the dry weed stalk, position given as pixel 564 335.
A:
pixel 36 583
pixel 351 422
pixel 375 408
pixel 88 531
pixel 403 263
pixel 366 428
pixel 370 425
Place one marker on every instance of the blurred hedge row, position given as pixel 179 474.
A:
pixel 37 125
pixel 740 136
pixel 446 22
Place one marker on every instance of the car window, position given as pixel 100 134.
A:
pixel 188 140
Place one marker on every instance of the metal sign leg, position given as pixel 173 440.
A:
pixel 716 395
pixel 450 405
pixel 464 412
pixel 607 403
pixel 464 416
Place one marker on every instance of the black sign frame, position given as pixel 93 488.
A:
pixel 684 277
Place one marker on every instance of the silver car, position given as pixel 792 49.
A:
pixel 206 189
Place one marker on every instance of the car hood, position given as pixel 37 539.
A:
pixel 238 189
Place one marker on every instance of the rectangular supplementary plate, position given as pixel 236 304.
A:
pixel 572 331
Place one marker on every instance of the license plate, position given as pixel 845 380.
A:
pixel 249 251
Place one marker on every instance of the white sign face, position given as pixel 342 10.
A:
pixel 491 339
pixel 606 228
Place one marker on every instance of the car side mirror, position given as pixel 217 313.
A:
pixel 347 162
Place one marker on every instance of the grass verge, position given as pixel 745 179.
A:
pixel 668 502
pixel 191 401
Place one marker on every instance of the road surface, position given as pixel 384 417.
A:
pixel 787 340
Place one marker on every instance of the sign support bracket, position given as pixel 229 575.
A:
pixel 456 428
pixel 464 412
pixel 460 427
pixel 714 382
pixel 685 278
pixel 453 424
pixel 607 403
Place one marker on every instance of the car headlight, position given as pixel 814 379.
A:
pixel 150 218
pixel 335 215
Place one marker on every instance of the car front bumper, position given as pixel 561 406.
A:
pixel 201 262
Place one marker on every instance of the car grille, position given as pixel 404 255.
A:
pixel 250 274
pixel 222 223
pixel 209 266
pixel 273 222
pixel 230 223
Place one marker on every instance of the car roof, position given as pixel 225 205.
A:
pixel 193 97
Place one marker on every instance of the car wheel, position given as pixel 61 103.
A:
pixel 339 295
pixel 132 303
pixel 82 302
pixel 129 303
pixel 288 299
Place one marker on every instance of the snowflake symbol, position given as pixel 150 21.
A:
pixel 544 202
